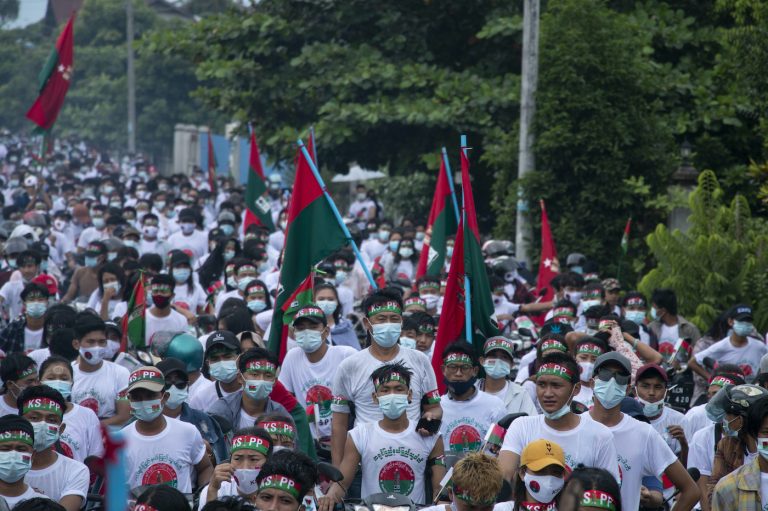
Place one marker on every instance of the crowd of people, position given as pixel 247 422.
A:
pixel 567 409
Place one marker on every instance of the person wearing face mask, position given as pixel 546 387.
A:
pixel 540 477
pixel 59 477
pixel 641 450
pixel 244 273
pixel 25 333
pixel 98 382
pixel 277 238
pixel 468 413
pixel 28 263
pixel 176 407
pixel 82 436
pixel 16 447
pixel 666 324
pixel 497 360
pixel 634 308
pixel 342 331
pixel 17 372
pixel 187 292
pixel 189 236
pixel 220 365
pixel 258 370
pixel 159 449
pixel 97 231
pixel 375 246
pixel 593 295
pixel 352 384
pixel 162 317
pixel 104 299
pixel 586 350
pixel 584 441
pixel 308 372
pixel 85 280
pixel 281 429
pixel 61 239
pixel 150 236
pixel 362 208
pixel 429 291
pixel 401 260
pixel 742 347
pixel 406 453
pixel 248 451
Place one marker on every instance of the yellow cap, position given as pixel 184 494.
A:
pixel 540 454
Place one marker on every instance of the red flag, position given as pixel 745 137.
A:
pixel 54 80
pixel 452 316
pixel 549 266
pixel 258 209
pixel 134 321
pixel 440 225
pixel 211 164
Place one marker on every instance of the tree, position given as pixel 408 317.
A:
pixel 721 261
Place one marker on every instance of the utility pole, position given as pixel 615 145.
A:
pixel 526 159
pixel 131 77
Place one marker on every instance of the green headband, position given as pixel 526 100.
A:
pixel 552 344
pixel 252 442
pixel 16 435
pixel 391 376
pixel 590 349
pixel 260 366
pixel 390 306
pixel 458 357
pixel 598 499
pixel 32 369
pixel 563 311
pixel 281 482
pixel 558 370
pixel 461 493
pixel 278 428
pixel 42 404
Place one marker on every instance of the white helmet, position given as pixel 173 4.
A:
pixel 24 231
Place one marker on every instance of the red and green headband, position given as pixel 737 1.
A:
pixel 598 499
pixel 553 344
pixel 721 381
pixel 426 328
pixel 466 496
pixel 605 324
pixel 32 369
pixel 388 306
pixel 635 300
pixel 429 285
pixel 252 442
pixel 160 288
pixel 260 366
pixel 563 311
pixel 590 349
pixel 553 369
pixel 458 358
pixel 281 482
pixel 415 300
pixel 256 288
pixel 593 293
pixel 246 267
pixel 151 375
pixel 16 435
pixel 391 376
pixel 279 428
pixel 42 404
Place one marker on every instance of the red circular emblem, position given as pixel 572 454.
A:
pixel 160 473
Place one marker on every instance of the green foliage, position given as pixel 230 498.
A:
pixel 719 262
pixel 406 196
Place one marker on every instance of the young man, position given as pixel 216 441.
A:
pixel 162 317
pixel 586 350
pixel 17 372
pixel 220 364
pixel 468 413
pixel 362 208
pixel 352 384
pixel 25 333
pixel 28 263
pixel 150 229
pixel 85 279
pixel 284 481
pixel 651 388
pixel 497 363
pixel 641 450
pixel 394 455
pixel 60 478
pixel 189 236
pixel 667 326
pixel 158 449
pixel 584 441
pixel 308 372
pixel 98 382
pixel 16 447
pixel 738 348
pixel 475 485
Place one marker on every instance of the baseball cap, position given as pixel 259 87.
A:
pixel 499 343
pixel 224 338
pixel 613 356
pixel 741 312
pixel 310 312
pixel 170 365
pixel 146 377
pixel 611 284
pixel 49 282
pixel 30 181
pixel 652 368
pixel 540 454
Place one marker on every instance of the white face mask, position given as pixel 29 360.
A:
pixel 543 489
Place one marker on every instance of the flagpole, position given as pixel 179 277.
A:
pixel 450 183
pixel 314 145
pixel 336 213
pixel 467 288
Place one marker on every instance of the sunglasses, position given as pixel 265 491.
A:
pixel 605 374
pixel 181 385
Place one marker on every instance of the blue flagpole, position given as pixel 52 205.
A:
pixel 450 184
pixel 336 213
pixel 467 287
pixel 116 493
pixel 314 145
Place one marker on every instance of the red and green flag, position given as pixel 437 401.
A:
pixel 549 266
pixel 54 80
pixel 440 225
pixel 312 235
pixel 625 237
pixel 258 207
pixel 134 322
pixel 211 164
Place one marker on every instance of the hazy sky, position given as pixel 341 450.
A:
pixel 30 11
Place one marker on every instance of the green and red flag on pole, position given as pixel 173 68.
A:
pixel 549 266
pixel 441 224
pixel 313 233
pixel 625 237
pixel 54 80
pixel 258 210
pixel 211 164
pixel 134 322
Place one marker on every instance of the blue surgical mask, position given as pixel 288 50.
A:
pixel 257 305
pixel 577 269
pixel 562 411
pixel 386 334
pixel 654 314
pixel 727 428
pixel 227 229
pixel 176 396
pixel 45 435
pixel 393 246
pixel 180 275
pixel 496 368
pixel 147 411
pixel 14 465
pixel 243 282
pixel 224 371
pixel 742 328
pixel 309 340
pixel 609 393
pixel 258 389
pixel 328 306
pixel 99 222
pixel 229 255
pixel 407 342
pixel 393 405
pixel 36 309
pixel 91 262
pixel 762 446
pixel 340 277
pixel 652 409
pixel 383 236
pixel 636 317
pixel 63 387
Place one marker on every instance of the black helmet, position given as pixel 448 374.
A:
pixel 733 399
pixel 497 248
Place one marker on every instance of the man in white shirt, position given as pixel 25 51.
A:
pixel 189 236
pixel 497 362
pixel 377 245
pixel 362 208
pixel 16 440
pixel 162 317
pixel 97 231
pixel 28 263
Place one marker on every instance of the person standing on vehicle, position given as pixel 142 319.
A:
pixel 394 455
pixel 499 354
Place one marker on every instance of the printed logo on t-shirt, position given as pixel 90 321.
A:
pixel 464 438
pixel 320 396
pixel 160 473
pixel 746 369
pixel 66 450
pixel 397 477
pixel 91 403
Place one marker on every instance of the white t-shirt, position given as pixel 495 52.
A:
pixel 747 357
pixel 11 294
pixel 515 397
pixel 586 396
pixel 65 477
pixel 29 494
pixel 82 436
pixel 311 384
pixel 222 297
pixel 5 409
pixel 197 393
pixel 393 462
pixel 763 491
pixel 353 384
pixel 641 452
pixel 373 248
pixel 173 322
pixel 197 242
pixel 94 302
pixel 669 417
pixel 525 361
pixel 39 355
pixel 669 334
pixel 32 338
pixel 98 390
pixel 193 300
pixel 702 450
pixel 695 419
pixel 589 443
pixel 465 423
pixel 226 489
pixel 360 210
pixel 166 458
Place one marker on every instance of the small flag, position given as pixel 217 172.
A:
pixel 495 435
pixel 258 209
pixel 625 237
pixel 440 225
pixel 134 321
pixel 211 164
pixel 549 266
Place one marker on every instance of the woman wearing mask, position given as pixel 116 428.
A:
pixel 403 260
pixel 187 292
pixel 591 489
pixel 250 448
pixel 260 304
pixel 104 299
pixel 541 476
pixel 342 331
pixel 82 436
pixel 17 372
pixel 585 351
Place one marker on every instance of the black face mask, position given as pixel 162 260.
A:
pixel 459 388
pixel 161 302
